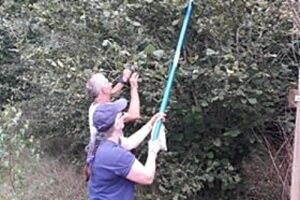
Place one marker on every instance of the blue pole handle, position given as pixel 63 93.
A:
pixel 171 76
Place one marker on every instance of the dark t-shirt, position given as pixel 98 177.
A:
pixel 109 170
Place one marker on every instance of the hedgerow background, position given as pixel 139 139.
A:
pixel 230 130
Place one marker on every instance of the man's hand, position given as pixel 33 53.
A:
pixel 126 74
pixel 134 80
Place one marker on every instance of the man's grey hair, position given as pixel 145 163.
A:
pixel 94 84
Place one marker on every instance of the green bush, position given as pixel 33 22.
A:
pixel 236 67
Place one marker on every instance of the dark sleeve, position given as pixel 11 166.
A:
pixel 123 163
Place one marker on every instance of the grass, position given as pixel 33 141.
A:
pixel 41 179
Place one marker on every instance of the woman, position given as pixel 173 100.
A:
pixel 114 169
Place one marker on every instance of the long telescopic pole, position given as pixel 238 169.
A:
pixel 173 68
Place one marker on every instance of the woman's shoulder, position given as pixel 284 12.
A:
pixel 110 152
pixel 110 147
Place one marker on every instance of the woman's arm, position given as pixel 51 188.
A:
pixel 144 174
pixel 135 139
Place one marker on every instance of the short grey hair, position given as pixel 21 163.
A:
pixel 94 84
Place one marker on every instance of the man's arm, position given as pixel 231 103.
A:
pixel 118 87
pixel 134 106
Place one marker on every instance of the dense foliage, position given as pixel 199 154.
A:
pixel 237 64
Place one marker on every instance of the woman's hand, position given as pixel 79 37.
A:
pixel 155 118
pixel 154 146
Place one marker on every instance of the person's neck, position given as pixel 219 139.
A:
pixel 101 99
pixel 115 137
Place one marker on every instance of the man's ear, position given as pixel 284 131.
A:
pixel 103 90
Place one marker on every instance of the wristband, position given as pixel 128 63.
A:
pixel 121 80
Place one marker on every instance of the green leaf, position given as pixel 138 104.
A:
pixel 217 142
pixel 210 52
pixel 252 101
pixel 178 137
pixel 234 133
pixel 158 53
pixel 204 103
pixel 210 155
pixel 135 23
pixel 149 49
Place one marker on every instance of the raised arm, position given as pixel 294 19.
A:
pixel 134 106
pixel 144 174
pixel 136 138
pixel 124 79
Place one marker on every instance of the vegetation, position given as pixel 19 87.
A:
pixel 239 60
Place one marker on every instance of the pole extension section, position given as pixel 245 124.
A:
pixel 171 76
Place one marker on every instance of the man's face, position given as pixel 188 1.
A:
pixel 107 87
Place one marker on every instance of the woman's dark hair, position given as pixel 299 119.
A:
pixel 87 167
pixel 101 136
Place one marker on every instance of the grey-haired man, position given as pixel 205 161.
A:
pixel 100 90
